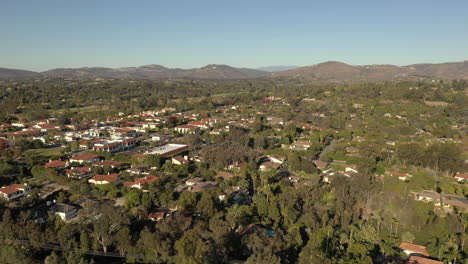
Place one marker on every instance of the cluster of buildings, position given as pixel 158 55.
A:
pixel 96 140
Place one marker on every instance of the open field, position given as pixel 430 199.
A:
pixel 44 153
pixel 81 110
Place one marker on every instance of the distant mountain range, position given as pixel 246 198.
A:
pixel 276 68
pixel 328 71
pixel 342 72
pixel 211 71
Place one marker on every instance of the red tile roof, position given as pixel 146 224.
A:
pixel 414 248
pixel 422 260
pixel 139 155
pixel 46 126
pixel 124 130
pixel 463 176
pixel 12 188
pixel 147 179
pixel 180 159
pixel 55 164
pixel 108 178
pixel 156 215
pixel 141 181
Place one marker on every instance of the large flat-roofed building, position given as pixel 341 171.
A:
pixel 168 150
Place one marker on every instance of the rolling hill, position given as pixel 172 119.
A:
pixel 341 72
pixel 331 71
pixel 212 71
pixel 17 74
pixel 276 68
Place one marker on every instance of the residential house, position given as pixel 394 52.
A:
pixel 428 196
pixel 156 216
pixel 46 127
pixel 56 164
pixel 275 120
pixel 41 213
pixel 179 160
pixel 139 170
pixel 448 201
pixel 422 260
pixel 269 165
pixel 160 137
pixel 199 124
pixel 237 194
pixel 99 179
pixel 455 202
pixel 410 249
pixel 293 179
pixel 85 158
pixel 108 146
pixel 95 132
pixel 139 183
pixel 194 181
pixel 71 137
pixel 201 186
pixel 123 133
pixel 401 176
pixel 277 159
pixel 168 150
pixel 115 145
pixel 195 185
pixel 14 191
pixel 150 125
pixel 65 211
pixel 236 165
pixel 461 177
pixel 85 144
pixel 78 172
pixel 301 145
pixel 187 129
pixel 26 133
pixel 111 164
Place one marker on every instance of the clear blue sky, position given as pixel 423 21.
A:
pixel 45 34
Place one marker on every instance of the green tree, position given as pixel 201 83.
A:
pixel 193 250
pixel 207 205
pixel 84 242
pixel 407 237
pixel 153 160
pixel 188 199
pixel 110 221
pixel 53 258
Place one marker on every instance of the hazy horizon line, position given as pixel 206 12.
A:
pixel 230 65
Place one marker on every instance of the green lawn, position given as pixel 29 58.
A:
pixel 43 153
